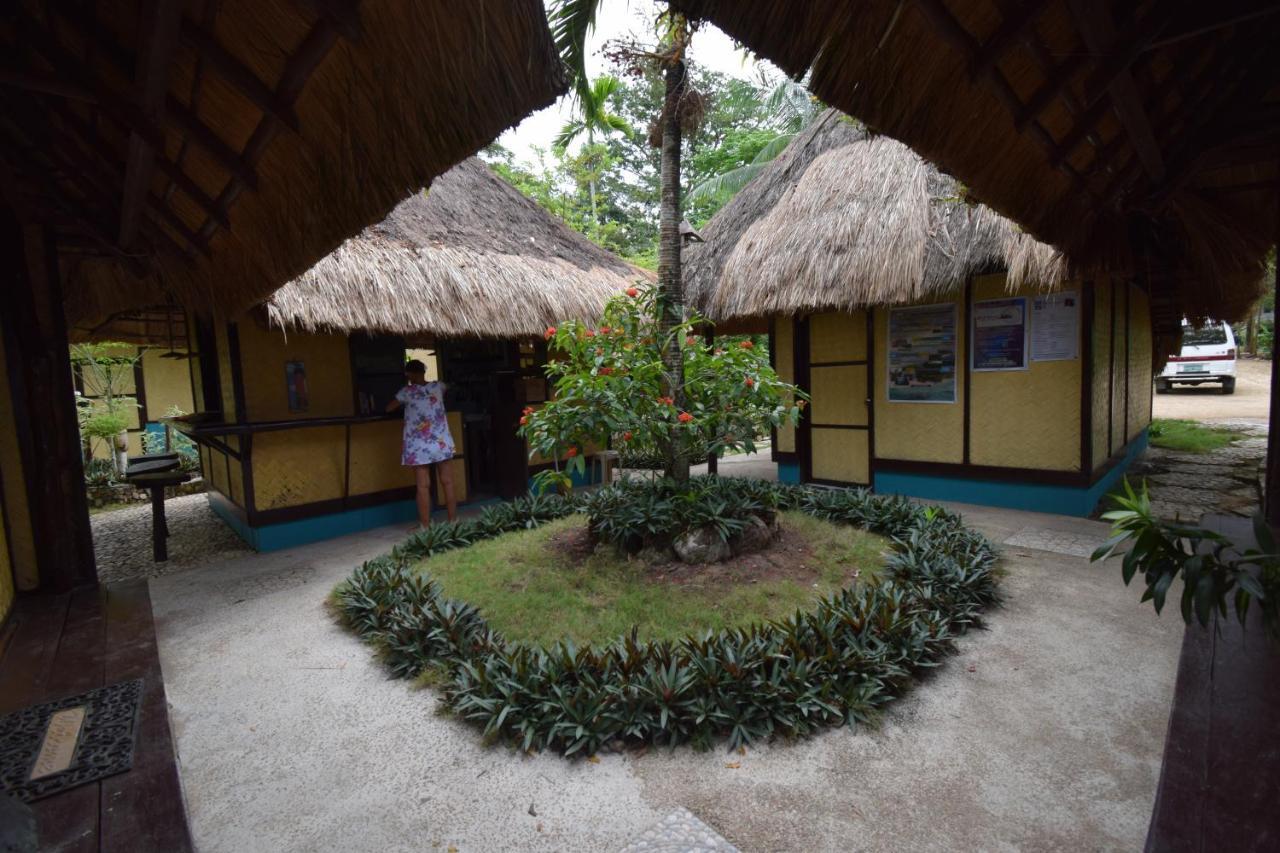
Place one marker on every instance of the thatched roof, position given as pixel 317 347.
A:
pixel 845 220
pixel 1138 137
pixel 471 257
pixel 206 152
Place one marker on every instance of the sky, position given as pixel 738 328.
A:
pixel 711 48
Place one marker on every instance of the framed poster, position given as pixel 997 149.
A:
pixel 1055 325
pixel 922 354
pixel 295 382
pixel 999 334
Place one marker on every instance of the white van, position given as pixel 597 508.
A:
pixel 1208 355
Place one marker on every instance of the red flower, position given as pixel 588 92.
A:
pixel 750 382
pixel 719 352
pixel 746 344
pixel 550 333
pixel 590 334
pixel 604 330
pixel 524 421
pixel 527 410
pixel 571 452
pixel 605 371
pixel 691 340
pixel 802 403
pixel 632 292
pixel 667 400
pixel 626 436
pixel 685 417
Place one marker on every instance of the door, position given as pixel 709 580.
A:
pixel 833 365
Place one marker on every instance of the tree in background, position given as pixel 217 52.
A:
pixel 594 117
pixel 106 369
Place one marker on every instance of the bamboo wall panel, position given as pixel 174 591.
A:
pixel 783 344
pixel 838 336
pixel 167 382
pixel 1120 370
pixel 842 455
pixel 294 467
pixel 1139 361
pixel 263 354
pixel 924 432
pixel 1025 418
pixel 224 372
pixel 1102 296
pixel 375 457
pixel 839 395
pixel 459 468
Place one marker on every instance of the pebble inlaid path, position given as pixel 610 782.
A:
pixel 680 832
pixel 122 539
pixel 1185 486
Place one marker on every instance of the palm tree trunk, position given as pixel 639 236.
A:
pixel 670 283
pixel 595 217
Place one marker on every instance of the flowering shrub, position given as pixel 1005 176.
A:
pixel 610 384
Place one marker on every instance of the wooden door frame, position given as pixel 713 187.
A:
pixel 802 364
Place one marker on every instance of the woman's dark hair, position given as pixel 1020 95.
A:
pixel 415 366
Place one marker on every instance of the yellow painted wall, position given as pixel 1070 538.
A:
pixel 166 383
pixel 23 573
pixel 224 371
pixel 783 345
pixel 301 466
pixel 1025 418
pixel 1102 296
pixel 263 354
pixel 1140 389
pixel 375 457
pixel 927 432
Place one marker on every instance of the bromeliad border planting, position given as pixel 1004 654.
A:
pixel 835 664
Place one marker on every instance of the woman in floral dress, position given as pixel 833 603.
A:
pixel 427 441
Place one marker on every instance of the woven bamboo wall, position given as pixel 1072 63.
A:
pixel 302 466
pixel 1025 418
pixel 1103 293
pixel 375 458
pixel 783 345
pixel 926 432
pixel 839 394
pixel 263 355
pixel 167 382
pixel 1140 389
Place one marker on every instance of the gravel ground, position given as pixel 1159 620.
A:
pixel 1252 398
pixel 122 539
pixel 1185 486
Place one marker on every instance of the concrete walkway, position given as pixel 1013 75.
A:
pixel 1045 732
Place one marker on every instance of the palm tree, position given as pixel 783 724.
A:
pixel 594 117
pixel 791 109
pixel 571 20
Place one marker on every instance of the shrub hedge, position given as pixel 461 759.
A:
pixel 837 663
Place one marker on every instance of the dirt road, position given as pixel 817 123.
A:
pixel 1251 401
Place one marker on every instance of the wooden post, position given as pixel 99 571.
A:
pixel 1271 498
pixel 709 337
pixel 43 398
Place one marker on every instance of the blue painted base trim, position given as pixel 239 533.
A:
pixel 788 472
pixel 288 534
pixel 1036 497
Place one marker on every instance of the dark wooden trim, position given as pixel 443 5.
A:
pixel 804 444
pixel 1111 375
pixel 237 372
pixel 839 483
pixel 1128 359
pixel 1086 377
pixel 207 353
pixel 871 392
pixel 140 391
pixel 196 431
pixel 773 365
pixel 246 471
pixel 968 363
pixel 852 363
pixel 786 457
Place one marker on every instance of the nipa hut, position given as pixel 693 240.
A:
pixel 467 276
pixel 949 355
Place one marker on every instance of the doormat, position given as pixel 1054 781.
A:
pixel 48 748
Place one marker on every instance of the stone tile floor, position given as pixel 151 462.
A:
pixel 1185 486
pixel 122 539
pixel 680 832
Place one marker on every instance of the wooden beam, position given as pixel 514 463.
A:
pixel 1093 20
pixel 45 84
pixel 160 23
pixel 1213 21
pixel 1009 32
pixel 1050 91
pixel 238 75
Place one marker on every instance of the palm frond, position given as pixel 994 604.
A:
pixel 725 185
pixel 569 132
pixel 571 21
pixel 618 123
pixel 772 148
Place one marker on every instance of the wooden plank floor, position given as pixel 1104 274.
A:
pixel 61 645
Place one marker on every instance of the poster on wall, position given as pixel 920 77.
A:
pixel 999 334
pixel 1055 327
pixel 295 380
pixel 922 354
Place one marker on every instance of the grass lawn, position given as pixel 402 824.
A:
pixel 1190 436
pixel 533 587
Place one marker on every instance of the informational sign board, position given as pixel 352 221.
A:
pixel 999 334
pixel 1055 327
pixel 922 354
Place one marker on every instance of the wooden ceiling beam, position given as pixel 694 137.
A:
pixel 160 23
pixel 344 15
pixel 238 75
pixel 1212 22
pixel 1093 20
pixel 1009 33
pixel 1052 89
pixel 45 84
